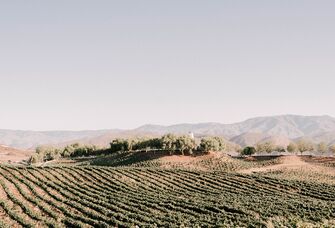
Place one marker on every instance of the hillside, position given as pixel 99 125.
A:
pixel 8 154
pixel 105 139
pixel 291 126
pixel 30 139
pixel 70 196
pixel 280 129
pixel 249 138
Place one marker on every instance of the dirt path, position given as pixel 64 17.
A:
pixel 290 163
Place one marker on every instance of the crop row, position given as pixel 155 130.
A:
pixel 109 197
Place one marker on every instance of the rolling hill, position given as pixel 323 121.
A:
pixel 31 139
pixel 8 154
pixel 279 129
pixel 291 126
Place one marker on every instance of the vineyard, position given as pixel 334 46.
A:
pixel 153 197
pixel 159 159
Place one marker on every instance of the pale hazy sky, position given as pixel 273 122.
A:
pixel 79 64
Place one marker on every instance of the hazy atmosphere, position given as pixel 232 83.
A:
pixel 151 113
pixel 120 64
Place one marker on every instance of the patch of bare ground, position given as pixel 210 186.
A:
pixel 294 167
pixel 12 155
pixel 322 161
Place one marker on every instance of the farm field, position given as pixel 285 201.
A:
pixel 72 196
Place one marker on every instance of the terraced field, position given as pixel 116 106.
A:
pixel 130 197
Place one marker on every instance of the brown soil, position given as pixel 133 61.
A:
pixel 291 163
pixel 11 155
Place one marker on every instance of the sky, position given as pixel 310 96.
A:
pixel 83 64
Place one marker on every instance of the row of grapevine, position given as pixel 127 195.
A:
pixel 129 197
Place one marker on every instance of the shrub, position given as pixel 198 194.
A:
pixel 249 150
pixel 292 147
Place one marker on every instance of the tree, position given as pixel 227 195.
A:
pixel 169 142
pixel 222 143
pixel 292 148
pixel 280 149
pixel 119 145
pixel 35 158
pixel 304 146
pixel 322 147
pixel 185 143
pixel 332 149
pixel 266 147
pixel 69 149
pixel 47 153
pixel 208 144
pixel 249 150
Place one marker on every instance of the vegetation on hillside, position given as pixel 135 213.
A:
pixel 106 197
pixel 172 144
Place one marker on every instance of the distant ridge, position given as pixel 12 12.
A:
pixel 30 139
pixel 281 129
pixel 291 126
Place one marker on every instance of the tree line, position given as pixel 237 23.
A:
pixel 173 144
pixel 48 153
pixel 300 146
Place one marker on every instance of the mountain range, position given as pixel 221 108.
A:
pixel 279 129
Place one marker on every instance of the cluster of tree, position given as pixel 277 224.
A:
pixel 304 146
pixel 48 153
pixel 300 146
pixel 134 144
pixel 171 143
pixel 268 147
pixel 183 144
pixel 212 144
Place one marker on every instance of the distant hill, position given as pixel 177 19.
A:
pixel 290 126
pixel 105 139
pixel 279 129
pixel 249 138
pixel 31 139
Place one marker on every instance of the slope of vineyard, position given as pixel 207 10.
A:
pixel 129 197
pixel 212 161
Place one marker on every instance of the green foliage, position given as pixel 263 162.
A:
pixel 118 197
pixel 214 144
pixel 48 153
pixel 36 158
pixel 322 147
pixel 249 150
pixel 45 153
pixel 185 143
pixel 292 148
pixel 304 146
pixel 332 149
pixel 119 145
pixel 169 143
pixel 173 144
pixel 266 147
pixel 280 149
